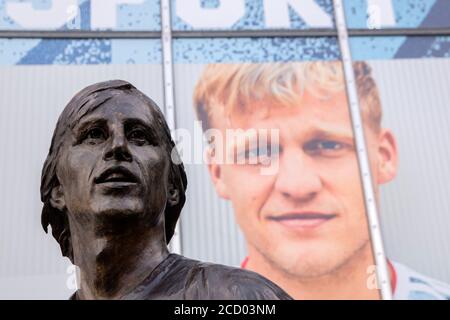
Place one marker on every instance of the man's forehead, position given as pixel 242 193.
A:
pixel 122 106
pixel 309 109
pixel 312 118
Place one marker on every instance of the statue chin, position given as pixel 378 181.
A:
pixel 121 207
pixel 124 212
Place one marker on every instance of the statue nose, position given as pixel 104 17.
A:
pixel 118 150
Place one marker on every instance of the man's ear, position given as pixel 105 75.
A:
pixel 57 198
pixel 215 171
pixel 387 156
pixel 173 197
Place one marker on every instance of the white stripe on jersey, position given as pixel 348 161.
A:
pixel 412 285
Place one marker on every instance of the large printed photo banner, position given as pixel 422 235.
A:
pixel 291 199
pixel 292 84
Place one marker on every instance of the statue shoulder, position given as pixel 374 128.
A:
pixel 215 281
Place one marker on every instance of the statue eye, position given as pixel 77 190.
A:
pixel 138 137
pixel 95 136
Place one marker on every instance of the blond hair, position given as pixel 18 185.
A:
pixel 227 88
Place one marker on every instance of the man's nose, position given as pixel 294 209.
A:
pixel 118 149
pixel 297 177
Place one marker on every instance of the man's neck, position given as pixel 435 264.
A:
pixel 115 255
pixel 349 282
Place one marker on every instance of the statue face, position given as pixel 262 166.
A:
pixel 113 162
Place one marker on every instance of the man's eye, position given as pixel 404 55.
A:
pixel 138 137
pixel 260 155
pixel 94 136
pixel 253 153
pixel 330 145
pixel 325 147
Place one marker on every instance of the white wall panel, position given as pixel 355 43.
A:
pixel 31 99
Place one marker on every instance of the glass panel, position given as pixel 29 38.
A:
pixel 407 113
pixel 292 184
pixel 61 15
pixel 38 79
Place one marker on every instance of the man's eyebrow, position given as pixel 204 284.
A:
pixel 85 124
pixel 346 135
pixel 139 122
pixel 245 142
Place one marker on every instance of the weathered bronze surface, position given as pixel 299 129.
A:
pixel 112 196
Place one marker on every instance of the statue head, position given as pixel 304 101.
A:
pixel 111 156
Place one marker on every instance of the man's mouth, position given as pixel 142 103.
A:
pixel 117 177
pixel 303 220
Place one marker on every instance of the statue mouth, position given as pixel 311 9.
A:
pixel 117 175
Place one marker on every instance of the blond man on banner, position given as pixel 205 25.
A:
pixel 304 223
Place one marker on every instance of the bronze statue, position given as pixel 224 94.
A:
pixel 112 197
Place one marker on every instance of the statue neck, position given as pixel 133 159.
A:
pixel 115 253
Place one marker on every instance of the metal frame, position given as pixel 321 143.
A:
pixel 287 33
pixel 169 100
pixel 363 157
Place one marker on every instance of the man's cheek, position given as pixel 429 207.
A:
pixel 78 171
pixel 255 193
pixel 81 157
pixel 343 172
pixel 242 195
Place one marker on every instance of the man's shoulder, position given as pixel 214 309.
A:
pixel 412 285
pixel 216 281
